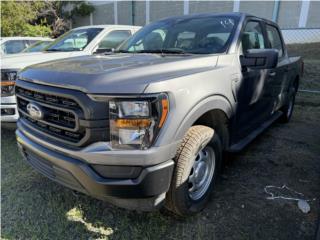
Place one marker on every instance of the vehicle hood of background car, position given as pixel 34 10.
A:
pixel 21 60
pixel 119 73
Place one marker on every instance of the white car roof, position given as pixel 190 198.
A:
pixel 108 26
pixel 4 39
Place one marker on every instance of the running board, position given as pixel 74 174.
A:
pixel 244 142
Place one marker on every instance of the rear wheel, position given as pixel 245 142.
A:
pixel 198 161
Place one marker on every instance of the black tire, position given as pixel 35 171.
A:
pixel 178 198
pixel 287 110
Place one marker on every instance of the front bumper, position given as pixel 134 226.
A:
pixel 9 111
pixel 145 192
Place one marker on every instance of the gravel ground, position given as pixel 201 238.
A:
pixel 33 207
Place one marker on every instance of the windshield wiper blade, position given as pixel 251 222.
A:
pixel 52 50
pixel 121 51
pixel 163 51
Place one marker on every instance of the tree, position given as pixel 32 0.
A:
pixel 59 14
pixel 17 16
pixel 40 18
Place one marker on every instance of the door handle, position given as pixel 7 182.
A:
pixel 272 74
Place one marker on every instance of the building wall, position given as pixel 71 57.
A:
pixel 314 15
pixel 162 9
pixel 262 9
pixel 289 14
pixel 139 13
pixel 103 14
pixel 210 6
pixel 134 12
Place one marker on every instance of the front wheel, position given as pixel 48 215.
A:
pixel 198 162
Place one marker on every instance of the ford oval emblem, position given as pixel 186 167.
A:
pixel 34 111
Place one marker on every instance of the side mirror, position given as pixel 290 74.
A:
pixel 103 50
pixel 260 58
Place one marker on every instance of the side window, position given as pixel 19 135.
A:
pixel 114 39
pixel 274 39
pixel 152 41
pixel 185 40
pixel 14 46
pixel 252 37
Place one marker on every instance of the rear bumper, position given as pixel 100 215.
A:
pixel 145 191
pixel 9 111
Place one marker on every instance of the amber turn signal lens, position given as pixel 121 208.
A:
pixel 132 123
pixel 165 110
pixel 7 83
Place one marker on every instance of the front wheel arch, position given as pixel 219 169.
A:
pixel 200 112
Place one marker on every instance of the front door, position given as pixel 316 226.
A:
pixel 254 91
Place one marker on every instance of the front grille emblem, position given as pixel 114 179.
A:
pixel 35 111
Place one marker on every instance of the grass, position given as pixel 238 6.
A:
pixel 33 207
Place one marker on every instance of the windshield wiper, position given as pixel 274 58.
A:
pixel 121 51
pixel 163 51
pixel 53 50
pixel 62 50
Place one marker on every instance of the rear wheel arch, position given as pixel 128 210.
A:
pixel 296 82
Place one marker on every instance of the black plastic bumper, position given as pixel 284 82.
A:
pixel 78 175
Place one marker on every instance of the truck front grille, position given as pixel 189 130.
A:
pixel 67 116
pixel 60 118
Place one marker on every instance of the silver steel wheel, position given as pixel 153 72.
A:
pixel 201 173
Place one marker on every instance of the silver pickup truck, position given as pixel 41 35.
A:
pixel 148 124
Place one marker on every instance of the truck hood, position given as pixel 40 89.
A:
pixel 116 74
pixel 22 60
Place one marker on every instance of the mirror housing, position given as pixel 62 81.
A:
pixel 260 58
pixel 103 50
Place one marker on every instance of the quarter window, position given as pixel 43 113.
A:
pixel 114 39
pixel 274 39
pixel 252 37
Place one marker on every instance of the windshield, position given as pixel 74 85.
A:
pixel 74 40
pixel 38 46
pixel 197 35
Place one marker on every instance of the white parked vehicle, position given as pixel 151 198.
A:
pixel 80 41
pixel 12 45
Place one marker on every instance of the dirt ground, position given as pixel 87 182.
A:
pixel 34 207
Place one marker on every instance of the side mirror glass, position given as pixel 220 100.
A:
pixel 260 58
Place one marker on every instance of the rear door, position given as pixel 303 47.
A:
pixel 278 77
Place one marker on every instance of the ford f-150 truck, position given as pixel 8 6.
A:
pixel 149 123
pixel 80 41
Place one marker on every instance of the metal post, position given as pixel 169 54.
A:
pixel 276 8
pixel 133 7
pixel 115 11
pixel 304 13
pixel 236 5
pixel 147 11
pixel 186 7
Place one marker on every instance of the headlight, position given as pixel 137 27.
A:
pixel 135 124
pixel 8 80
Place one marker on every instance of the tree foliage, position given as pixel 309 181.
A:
pixel 40 18
pixel 16 18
